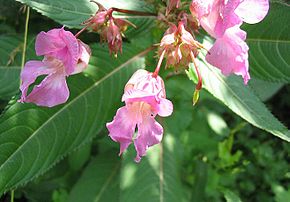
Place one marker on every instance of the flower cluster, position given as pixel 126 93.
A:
pixel 110 29
pixel 144 94
pixel 222 20
pixel 178 45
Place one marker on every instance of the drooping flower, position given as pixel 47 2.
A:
pixel 110 29
pixel 178 45
pixel 222 19
pixel 64 55
pixel 114 38
pixel 144 96
pixel 230 53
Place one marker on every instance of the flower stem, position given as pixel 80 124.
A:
pixel 12 196
pixel 199 83
pixel 155 74
pixel 83 29
pixel 25 37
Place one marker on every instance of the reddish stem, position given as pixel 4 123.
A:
pixel 199 83
pixel 83 29
pixel 155 74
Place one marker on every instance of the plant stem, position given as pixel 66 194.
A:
pixel 83 29
pixel 155 74
pixel 25 37
pixel 199 83
pixel 12 196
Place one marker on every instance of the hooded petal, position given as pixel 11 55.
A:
pixel 230 53
pixel 253 11
pixel 61 45
pixel 85 54
pixel 150 132
pixel 49 42
pixel 30 72
pixel 121 129
pixel 51 91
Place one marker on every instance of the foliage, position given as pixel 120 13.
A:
pixel 220 149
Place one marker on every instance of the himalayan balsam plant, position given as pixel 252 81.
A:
pixel 142 53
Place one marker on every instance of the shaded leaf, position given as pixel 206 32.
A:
pixel 72 13
pixel 269 43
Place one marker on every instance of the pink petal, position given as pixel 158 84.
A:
pixel 71 54
pixel 122 128
pixel 61 45
pixel 85 54
pixel 51 91
pixel 253 11
pixel 228 18
pixel 230 53
pixel 30 72
pixel 167 40
pixel 165 107
pixel 209 21
pixel 201 8
pixel 49 42
pixel 150 132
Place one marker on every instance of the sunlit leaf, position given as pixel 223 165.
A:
pixel 110 178
pixel 240 99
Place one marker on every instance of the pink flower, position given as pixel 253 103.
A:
pixel 216 16
pixel 109 28
pixel 222 19
pixel 64 55
pixel 230 53
pixel 114 38
pixel 144 96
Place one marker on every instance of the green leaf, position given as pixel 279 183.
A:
pixel 100 181
pixel 240 99
pixel 230 196
pixel 264 89
pixel 72 13
pixel 78 158
pixel 269 43
pixel 111 178
pixel 33 139
pixel 9 81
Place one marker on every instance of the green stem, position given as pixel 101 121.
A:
pixel 12 196
pixel 25 37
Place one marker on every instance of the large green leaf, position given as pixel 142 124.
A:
pixel 240 99
pixel 73 12
pixel 155 178
pixel 33 139
pixel 269 43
